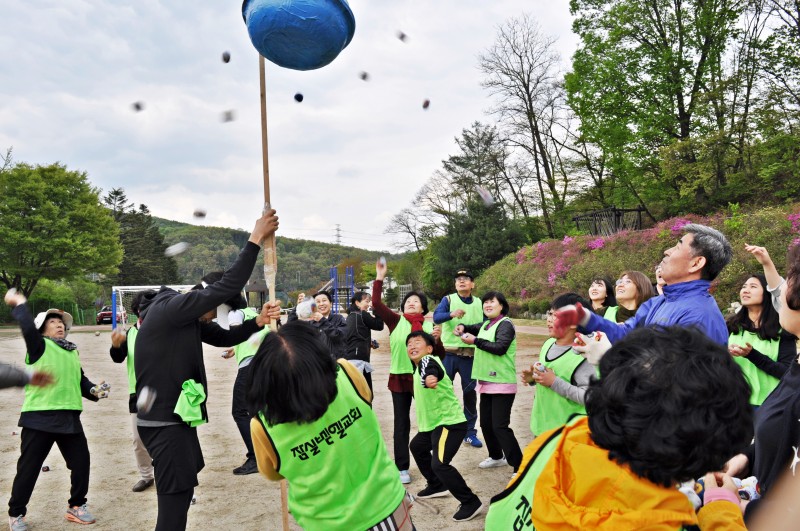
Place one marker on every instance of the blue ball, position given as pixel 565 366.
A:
pixel 299 34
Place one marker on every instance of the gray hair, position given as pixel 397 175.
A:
pixel 712 245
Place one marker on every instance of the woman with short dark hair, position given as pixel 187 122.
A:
pixel 495 370
pixel 401 381
pixel 358 342
pixel 313 417
pixel 330 323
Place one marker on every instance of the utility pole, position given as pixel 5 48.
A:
pixel 338 234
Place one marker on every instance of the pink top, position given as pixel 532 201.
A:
pixel 492 388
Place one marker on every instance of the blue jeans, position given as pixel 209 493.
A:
pixel 462 366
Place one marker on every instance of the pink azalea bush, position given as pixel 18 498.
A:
pixel 547 268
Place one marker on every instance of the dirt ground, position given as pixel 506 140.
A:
pixel 224 501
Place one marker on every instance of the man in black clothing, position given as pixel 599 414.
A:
pixel 168 360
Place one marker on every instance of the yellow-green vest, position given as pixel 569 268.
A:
pixel 65 392
pixel 437 406
pixel 511 509
pixel 130 342
pixel 550 409
pixel 473 314
pixel 490 367
pixel 761 383
pixel 338 468
pixel 611 313
pixel 248 349
pixel 401 363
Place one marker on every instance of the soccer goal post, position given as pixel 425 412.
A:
pixel 122 297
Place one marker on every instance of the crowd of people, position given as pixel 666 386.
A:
pixel 650 409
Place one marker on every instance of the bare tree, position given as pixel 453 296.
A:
pixel 406 225
pixel 523 71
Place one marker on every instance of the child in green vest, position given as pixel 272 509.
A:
pixel 442 427
pixel 561 387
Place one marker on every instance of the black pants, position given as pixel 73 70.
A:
pixel 177 459
pixel 239 409
pixel 368 378
pixel 401 403
pixel 495 417
pixel 433 451
pixel 35 447
pixel 173 510
pixel 462 365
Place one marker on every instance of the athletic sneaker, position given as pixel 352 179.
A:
pixel 473 441
pixel 405 477
pixel 80 515
pixel 248 467
pixel 468 511
pixel 17 523
pixel 433 492
pixel 492 463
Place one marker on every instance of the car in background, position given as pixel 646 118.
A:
pixel 104 315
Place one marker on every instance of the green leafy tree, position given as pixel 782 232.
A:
pixel 643 78
pixel 144 262
pixel 52 226
pixel 474 240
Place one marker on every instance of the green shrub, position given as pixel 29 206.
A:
pixel 539 272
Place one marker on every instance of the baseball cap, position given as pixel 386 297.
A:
pixel 464 273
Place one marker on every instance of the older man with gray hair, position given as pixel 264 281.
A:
pixel 688 269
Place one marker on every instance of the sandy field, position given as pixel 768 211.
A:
pixel 224 501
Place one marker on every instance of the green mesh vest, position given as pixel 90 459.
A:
pixel 550 409
pixel 130 342
pixel 438 406
pixel 473 314
pixel 248 349
pixel 761 383
pixel 511 509
pixel 611 313
pixel 491 368
pixel 338 467
pixel 401 363
pixel 65 392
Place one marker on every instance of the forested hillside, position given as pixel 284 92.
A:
pixel 302 264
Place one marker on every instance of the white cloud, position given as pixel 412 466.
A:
pixel 353 152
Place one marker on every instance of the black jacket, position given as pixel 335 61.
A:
pixel 334 327
pixel 169 348
pixel 359 337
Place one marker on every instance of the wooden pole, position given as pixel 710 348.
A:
pixel 270 254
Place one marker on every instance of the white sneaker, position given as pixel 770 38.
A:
pixel 405 477
pixel 492 463
pixel 17 523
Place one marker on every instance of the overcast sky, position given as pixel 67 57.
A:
pixel 352 153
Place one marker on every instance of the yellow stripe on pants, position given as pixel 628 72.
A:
pixel 442 441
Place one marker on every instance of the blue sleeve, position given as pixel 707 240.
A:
pixel 442 312
pixel 612 330
pixel 616 331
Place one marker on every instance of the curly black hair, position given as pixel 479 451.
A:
pixel 292 376
pixel 671 404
